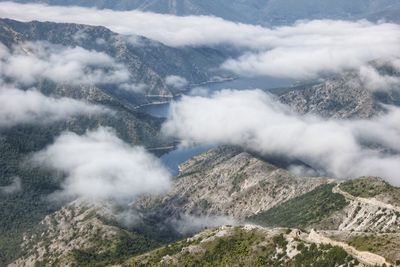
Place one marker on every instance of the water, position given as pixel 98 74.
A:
pixel 174 158
pixel 249 83
pixel 162 110
pixel 157 110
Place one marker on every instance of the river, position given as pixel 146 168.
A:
pixel 175 157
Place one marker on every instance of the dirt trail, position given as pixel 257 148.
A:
pixel 364 257
pixel 368 201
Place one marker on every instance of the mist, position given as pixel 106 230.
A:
pixel 98 166
pixel 256 121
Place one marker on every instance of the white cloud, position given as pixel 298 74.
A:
pixel 32 61
pixel 256 121
pixel 304 50
pixel 310 49
pixel 375 81
pixel 176 81
pixel 12 188
pixel 100 166
pixel 135 88
pixel 188 224
pixel 17 106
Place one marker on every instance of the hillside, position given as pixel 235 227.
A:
pixel 325 209
pixel 342 97
pixel 22 210
pixel 79 234
pixel 256 246
pixel 87 115
pixel 271 12
pixel 229 182
pixel 142 57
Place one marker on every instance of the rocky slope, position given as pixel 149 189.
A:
pixel 342 97
pixel 79 232
pixel 22 210
pixel 227 181
pixel 250 245
pixel 334 215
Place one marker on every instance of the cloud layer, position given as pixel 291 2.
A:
pixel 100 166
pixel 176 81
pixel 306 49
pixel 256 121
pixel 32 61
pixel 17 106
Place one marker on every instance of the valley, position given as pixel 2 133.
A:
pixel 199 133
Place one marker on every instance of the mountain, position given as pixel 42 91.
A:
pixel 229 182
pixel 308 220
pixel 77 231
pixel 250 245
pixel 148 62
pixel 344 96
pixel 266 12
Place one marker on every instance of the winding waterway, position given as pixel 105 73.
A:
pixel 175 157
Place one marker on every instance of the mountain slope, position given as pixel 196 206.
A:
pixel 341 212
pixel 148 62
pixel 345 96
pixel 228 181
pixel 78 234
pixel 270 12
pixel 23 209
pixel 252 246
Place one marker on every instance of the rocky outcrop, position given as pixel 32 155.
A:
pixel 75 226
pixel 227 181
pixel 336 98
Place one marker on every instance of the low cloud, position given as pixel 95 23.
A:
pixel 17 106
pixel 375 81
pixel 188 224
pixel 100 166
pixel 12 188
pixel 134 88
pixel 256 121
pixel 32 61
pixel 304 50
pixel 176 81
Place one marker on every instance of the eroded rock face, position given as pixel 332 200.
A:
pixel 75 226
pixel 337 98
pixel 226 181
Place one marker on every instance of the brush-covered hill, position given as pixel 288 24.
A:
pixel 334 217
pixel 147 62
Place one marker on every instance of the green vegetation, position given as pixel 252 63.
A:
pixel 365 187
pixel 239 249
pixel 243 248
pixel 323 255
pixel 301 211
pixel 21 211
pixel 386 245
pixel 367 242
pixel 128 245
